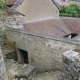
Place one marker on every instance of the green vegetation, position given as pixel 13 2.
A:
pixel 3 3
pixel 72 10
pixel 64 14
pixel 2 32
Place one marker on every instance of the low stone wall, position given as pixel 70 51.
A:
pixel 12 21
pixel 11 18
pixel 71 66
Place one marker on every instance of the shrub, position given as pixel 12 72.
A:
pixel 72 10
pixel 64 14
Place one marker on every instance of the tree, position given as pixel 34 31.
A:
pixel 73 10
pixel 2 6
pixel 3 3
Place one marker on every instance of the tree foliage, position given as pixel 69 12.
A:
pixel 3 3
pixel 73 10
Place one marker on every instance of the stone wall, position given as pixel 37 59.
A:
pixel 12 21
pixel 44 53
pixel 71 66
pixel 2 68
pixel 11 18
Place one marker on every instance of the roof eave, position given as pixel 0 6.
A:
pixel 17 4
pixel 57 5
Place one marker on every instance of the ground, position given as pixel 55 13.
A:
pixel 53 75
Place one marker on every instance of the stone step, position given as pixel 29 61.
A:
pixel 19 70
pixel 27 71
pixel 9 63
pixel 16 67
pixel 5 59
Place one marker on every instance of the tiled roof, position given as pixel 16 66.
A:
pixel 73 24
pixel 11 2
pixel 55 27
pixel 62 3
pixel 52 27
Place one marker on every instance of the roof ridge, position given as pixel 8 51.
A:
pixel 56 3
pixel 26 22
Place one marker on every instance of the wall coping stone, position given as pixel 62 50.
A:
pixel 22 30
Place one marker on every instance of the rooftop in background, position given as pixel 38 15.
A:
pixel 11 2
pixel 62 3
pixel 61 0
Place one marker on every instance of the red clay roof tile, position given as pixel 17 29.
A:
pixel 55 27
pixel 11 2
pixel 52 27
pixel 73 24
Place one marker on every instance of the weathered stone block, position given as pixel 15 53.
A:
pixel 73 69
pixel 2 68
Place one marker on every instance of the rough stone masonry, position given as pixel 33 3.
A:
pixel 71 66
pixel 2 68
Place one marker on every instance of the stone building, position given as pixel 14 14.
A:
pixel 43 36
pixel 37 9
pixel 41 43
pixel 25 51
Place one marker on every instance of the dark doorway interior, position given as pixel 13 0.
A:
pixel 24 56
pixel 72 35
